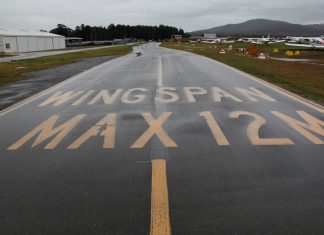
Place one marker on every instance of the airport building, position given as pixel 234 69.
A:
pixel 176 37
pixel 12 41
pixel 205 36
pixel 210 35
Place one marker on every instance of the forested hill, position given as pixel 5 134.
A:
pixel 100 33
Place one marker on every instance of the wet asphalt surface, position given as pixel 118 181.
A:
pixel 40 80
pixel 239 188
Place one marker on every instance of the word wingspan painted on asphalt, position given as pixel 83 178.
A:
pixel 167 95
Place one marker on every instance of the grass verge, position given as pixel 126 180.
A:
pixel 14 71
pixel 303 78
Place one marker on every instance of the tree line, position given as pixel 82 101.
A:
pixel 111 32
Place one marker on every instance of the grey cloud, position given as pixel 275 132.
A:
pixel 190 15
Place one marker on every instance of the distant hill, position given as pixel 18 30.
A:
pixel 263 27
pixel 317 27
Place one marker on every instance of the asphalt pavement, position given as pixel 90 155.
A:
pixel 40 80
pixel 162 142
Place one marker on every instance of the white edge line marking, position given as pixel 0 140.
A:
pixel 160 74
pixel 52 88
pixel 276 88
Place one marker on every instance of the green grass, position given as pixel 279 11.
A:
pixel 301 78
pixel 4 55
pixel 14 71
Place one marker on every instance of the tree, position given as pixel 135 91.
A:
pixel 99 33
pixel 63 30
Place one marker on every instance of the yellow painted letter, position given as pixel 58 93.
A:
pixel 155 128
pixel 109 122
pixel 254 127
pixel 312 124
pixel 45 131
pixel 215 128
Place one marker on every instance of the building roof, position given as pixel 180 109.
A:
pixel 5 32
pixel 72 38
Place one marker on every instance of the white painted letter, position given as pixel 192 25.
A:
pixel 58 98
pixel 253 92
pixel 219 94
pixel 138 98
pixel 106 97
pixel 161 92
pixel 83 98
pixel 191 91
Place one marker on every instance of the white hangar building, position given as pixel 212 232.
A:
pixel 15 41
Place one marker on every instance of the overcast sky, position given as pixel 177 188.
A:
pixel 190 15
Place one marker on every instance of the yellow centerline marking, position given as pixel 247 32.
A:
pixel 160 220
